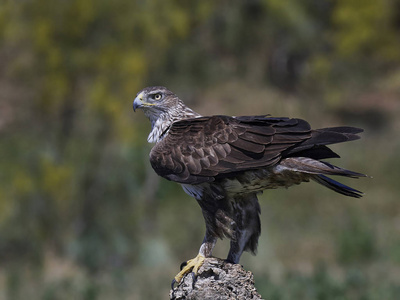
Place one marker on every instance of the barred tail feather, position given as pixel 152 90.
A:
pixel 337 186
pixel 317 167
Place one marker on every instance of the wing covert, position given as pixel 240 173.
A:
pixel 205 148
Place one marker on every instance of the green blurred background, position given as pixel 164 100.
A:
pixel 83 215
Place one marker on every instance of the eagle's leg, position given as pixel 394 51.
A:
pixel 194 264
pixel 247 226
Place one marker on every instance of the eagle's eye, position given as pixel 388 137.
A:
pixel 157 96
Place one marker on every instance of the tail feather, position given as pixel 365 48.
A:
pixel 305 158
pixel 337 186
pixel 317 171
pixel 317 167
pixel 340 171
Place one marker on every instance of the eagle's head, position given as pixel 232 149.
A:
pixel 155 100
pixel 162 107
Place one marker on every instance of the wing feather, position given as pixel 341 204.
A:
pixel 205 162
pixel 207 148
pixel 248 146
pixel 220 150
pixel 256 138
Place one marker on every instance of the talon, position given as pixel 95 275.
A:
pixel 191 266
pixel 173 283
pixel 193 279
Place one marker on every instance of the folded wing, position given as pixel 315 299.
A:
pixel 203 149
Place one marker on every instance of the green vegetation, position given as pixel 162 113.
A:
pixel 320 285
pixel 82 214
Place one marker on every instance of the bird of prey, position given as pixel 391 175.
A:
pixel 224 162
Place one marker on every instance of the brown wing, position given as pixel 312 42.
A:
pixel 201 149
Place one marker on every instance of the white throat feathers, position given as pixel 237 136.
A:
pixel 160 123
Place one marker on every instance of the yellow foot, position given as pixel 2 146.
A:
pixel 192 265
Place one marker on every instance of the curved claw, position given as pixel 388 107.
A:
pixel 193 279
pixel 173 283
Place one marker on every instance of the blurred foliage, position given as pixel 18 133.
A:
pixel 320 285
pixel 83 216
pixel 356 242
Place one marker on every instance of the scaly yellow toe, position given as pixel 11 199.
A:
pixel 192 265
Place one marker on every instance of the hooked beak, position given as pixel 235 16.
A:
pixel 138 102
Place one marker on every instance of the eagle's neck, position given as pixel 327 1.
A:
pixel 161 123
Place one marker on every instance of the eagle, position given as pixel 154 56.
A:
pixel 224 162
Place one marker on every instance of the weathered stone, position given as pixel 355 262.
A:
pixel 217 280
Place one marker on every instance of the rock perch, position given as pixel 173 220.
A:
pixel 217 280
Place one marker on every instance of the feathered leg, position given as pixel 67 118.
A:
pixel 217 214
pixel 247 228
pixel 216 225
pixel 208 244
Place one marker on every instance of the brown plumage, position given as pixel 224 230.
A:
pixel 206 149
pixel 225 161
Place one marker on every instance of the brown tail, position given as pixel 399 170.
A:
pixel 318 171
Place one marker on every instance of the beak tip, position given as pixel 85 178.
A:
pixel 136 104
